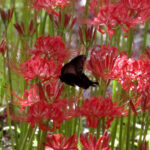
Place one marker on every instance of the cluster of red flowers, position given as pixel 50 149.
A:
pixel 125 13
pixel 49 5
pixel 59 141
pixel 48 55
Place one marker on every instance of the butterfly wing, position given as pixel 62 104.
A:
pixel 78 63
pixel 84 82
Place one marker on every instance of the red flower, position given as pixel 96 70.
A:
pixel 60 142
pixel 49 5
pixel 105 18
pixel 136 5
pixel 132 74
pixel 29 97
pixel 37 67
pixel 38 113
pixel 95 109
pixel 93 144
pixel 51 47
pixel 102 61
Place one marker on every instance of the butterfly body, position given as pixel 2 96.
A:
pixel 72 73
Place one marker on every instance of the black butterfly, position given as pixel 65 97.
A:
pixel 72 73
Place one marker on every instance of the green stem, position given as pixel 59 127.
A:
pixel 142 128
pixel 133 131
pixel 128 130
pixel 146 126
pixel 42 140
pixel 23 142
pixel 86 8
pixel 10 129
pixel 129 42
pixel 43 24
pixel 120 133
pixel 113 133
pixel 31 139
pixel 145 37
pixel 98 129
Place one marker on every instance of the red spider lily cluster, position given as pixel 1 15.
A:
pixel 125 13
pixel 49 5
pixel 60 142
pixel 44 103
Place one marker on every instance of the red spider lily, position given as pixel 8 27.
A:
pixel 21 28
pixel 106 19
pixel 95 109
pixel 130 13
pixel 102 61
pixel 41 112
pixel 3 47
pixel 37 67
pixel 136 5
pixel 29 97
pixel 92 144
pixel 51 47
pixel 60 142
pixel 132 74
pixel 49 5
pixel 6 15
pixel 38 113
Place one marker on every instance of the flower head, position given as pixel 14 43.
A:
pixel 37 67
pixel 92 144
pixel 51 47
pixel 96 108
pixel 132 74
pixel 102 61
pixel 60 142
pixel 49 5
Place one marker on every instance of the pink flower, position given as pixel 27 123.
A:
pixel 92 144
pixel 96 108
pixel 60 142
